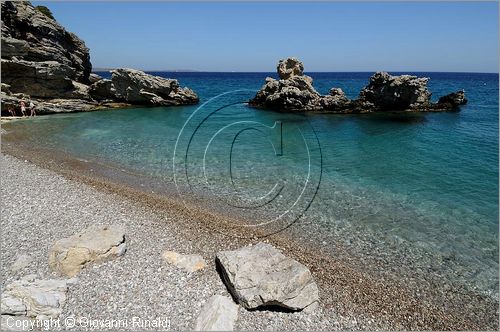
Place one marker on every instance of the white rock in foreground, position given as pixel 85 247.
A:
pixel 190 263
pixel 94 244
pixel 261 275
pixel 33 298
pixel 218 314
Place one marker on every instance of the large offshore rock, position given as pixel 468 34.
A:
pixel 35 298
pixel 294 92
pixel 94 244
pixel 218 314
pixel 137 87
pixel 30 35
pixel 387 92
pixel 260 276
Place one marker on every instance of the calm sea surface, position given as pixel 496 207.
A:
pixel 427 183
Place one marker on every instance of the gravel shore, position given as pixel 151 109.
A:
pixel 42 204
pixel 40 207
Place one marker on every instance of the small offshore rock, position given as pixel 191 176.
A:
pixel 92 245
pixel 190 263
pixel 260 276
pixel 218 314
pixel 290 67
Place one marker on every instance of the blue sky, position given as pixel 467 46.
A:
pixel 335 36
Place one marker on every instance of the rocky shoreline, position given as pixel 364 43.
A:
pixel 49 66
pixel 294 92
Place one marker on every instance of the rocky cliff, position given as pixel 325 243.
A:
pixel 294 91
pixel 43 62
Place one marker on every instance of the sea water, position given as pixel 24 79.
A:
pixel 379 183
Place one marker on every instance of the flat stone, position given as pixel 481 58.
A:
pixel 34 298
pixel 93 245
pixel 218 314
pixel 190 263
pixel 21 262
pixel 260 276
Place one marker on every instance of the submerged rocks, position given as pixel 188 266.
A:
pixel 94 244
pixel 260 276
pixel 136 87
pixel 384 92
pixel 218 314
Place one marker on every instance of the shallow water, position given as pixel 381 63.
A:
pixel 422 181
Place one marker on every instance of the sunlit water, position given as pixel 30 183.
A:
pixel 425 181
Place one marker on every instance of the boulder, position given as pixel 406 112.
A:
pixel 290 67
pixel 387 92
pixel 218 314
pixel 190 263
pixel 260 276
pixel 92 245
pixel 31 297
pixel 453 100
pixel 137 87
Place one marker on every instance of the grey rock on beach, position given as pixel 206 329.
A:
pixel 261 276
pixel 34 298
pixel 218 314
pixel 294 92
pixel 92 245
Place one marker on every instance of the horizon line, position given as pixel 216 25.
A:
pixel 103 69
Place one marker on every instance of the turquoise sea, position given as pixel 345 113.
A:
pixel 419 189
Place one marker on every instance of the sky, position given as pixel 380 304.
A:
pixel 332 36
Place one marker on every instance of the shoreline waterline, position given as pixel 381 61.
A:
pixel 345 286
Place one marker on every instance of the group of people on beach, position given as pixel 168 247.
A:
pixel 22 106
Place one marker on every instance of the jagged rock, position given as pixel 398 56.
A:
pixel 190 263
pixel 31 297
pixel 137 87
pixel 290 67
pixel 454 99
pixel 94 78
pixel 295 92
pixel 92 245
pixel 387 92
pixel 218 314
pixel 46 39
pixel 260 275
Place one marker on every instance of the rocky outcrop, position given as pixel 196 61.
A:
pixel 136 87
pixel 43 62
pixel 294 91
pixel 260 276
pixel 189 263
pixel 218 314
pixel 94 244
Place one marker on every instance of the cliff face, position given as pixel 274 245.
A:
pixel 43 62
pixel 30 35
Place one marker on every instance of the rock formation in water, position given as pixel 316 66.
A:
pixel 294 91
pixel 50 66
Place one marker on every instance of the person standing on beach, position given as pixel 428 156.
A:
pixel 23 108
pixel 11 111
pixel 32 108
